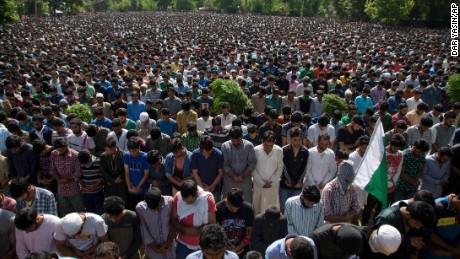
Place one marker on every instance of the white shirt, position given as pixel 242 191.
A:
pixel 300 88
pixel 226 120
pixel 321 167
pixel 201 124
pixel 122 141
pixel 269 167
pixel 412 103
pixel 315 131
pixel 38 240
pixel 362 195
pixel 80 143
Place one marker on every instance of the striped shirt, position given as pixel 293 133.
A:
pixel 302 220
pixel 91 175
pixel 218 137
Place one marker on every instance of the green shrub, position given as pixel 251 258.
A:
pixel 453 88
pixel 332 102
pixel 229 91
pixel 83 111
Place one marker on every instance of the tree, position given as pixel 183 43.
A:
pixel 453 88
pixel 185 5
pixel 163 4
pixel 8 13
pixel 389 10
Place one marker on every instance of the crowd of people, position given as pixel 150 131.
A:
pixel 157 174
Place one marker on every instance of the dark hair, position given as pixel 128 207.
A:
pixel 341 154
pixel 363 140
pixel 38 145
pixel 235 132
pixel 423 107
pixel 269 136
pixel 423 212
pixel 323 120
pixel 189 188
pixel 426 196
pixel 13 141
pixel 216 121
pixel 253 255
pixel 401 124
pixel 235 197
pixel 152 197
pixel 114 205
pixel 25 218
pixel 446 151
pixel 132 133
pixel 206 143
pixel 75 121
pixel 176 145
pixel 13 126
pixel 296 132
pixel 296 116
pixel 449 115
pixel 84 156
pixel 38 117
pixel 213 236
pixel 422 145
pixel 134 143
pixel 111 142
pixel 311 193
pixel 155 133
pixel 91 130
pixel 397 140
pixel 426 121
pixel 107 249
pixel 358 120
pixel 301 248
pixel 18 187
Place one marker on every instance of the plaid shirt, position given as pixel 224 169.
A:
pixel 191 143
pixel 44 202
pixel 66 166
pixel 8 203
pixel 336 202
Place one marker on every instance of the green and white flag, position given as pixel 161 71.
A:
pixel 371 174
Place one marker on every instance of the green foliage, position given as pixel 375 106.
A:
pixel 163 4
pixel 83 111
pixel 453 88
pixel 229 91
pixel 389 10
pixel 8 13
pixel 185 5
pixel 333 102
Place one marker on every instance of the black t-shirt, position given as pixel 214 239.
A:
pixel 235 224
pixel 349 138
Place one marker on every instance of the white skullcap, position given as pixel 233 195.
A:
pixel 71 224
pixel 386 240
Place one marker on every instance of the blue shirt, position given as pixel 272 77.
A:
pixel 111 91
pixel 137 166
pixel 208 168
pixel 107 123
pixel 167 127
pixel 135 109
pixel 394 104
pixel 4 134
pixel 362 104
pixel 277 250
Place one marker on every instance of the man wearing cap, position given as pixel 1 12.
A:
pixel 339 197
pixel 345 240
pixel 410 220
pixel 144 125
pixel 101 103
pixel 79 234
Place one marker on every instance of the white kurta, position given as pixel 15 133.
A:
pixel 269 168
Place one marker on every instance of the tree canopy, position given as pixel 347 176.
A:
pixel 419 12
